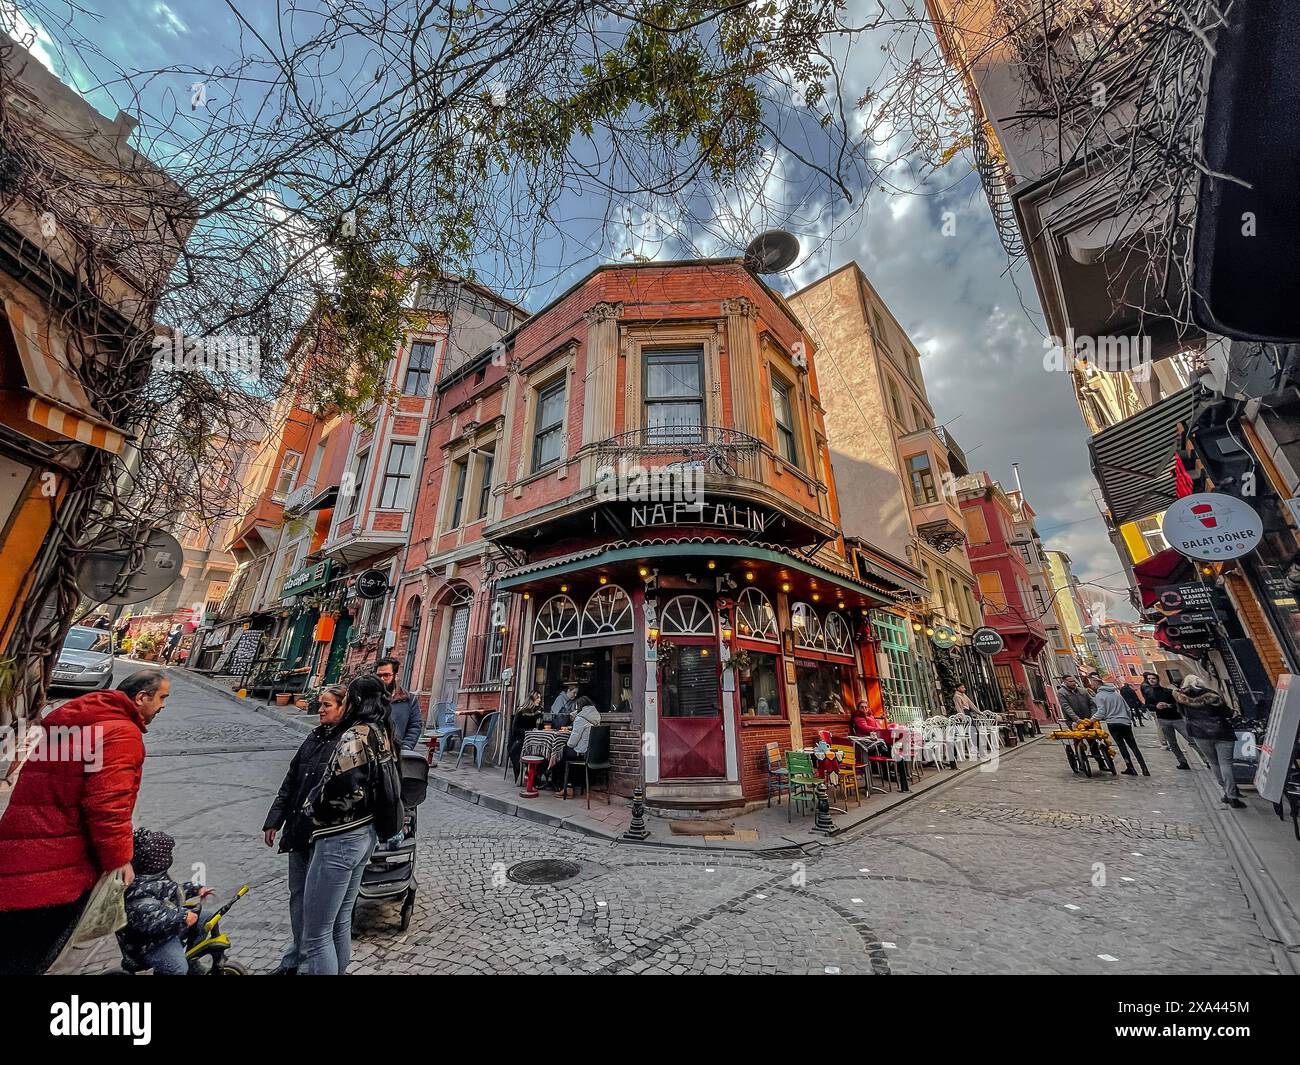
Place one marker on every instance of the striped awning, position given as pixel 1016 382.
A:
pixel 1133 461
pixel 55 399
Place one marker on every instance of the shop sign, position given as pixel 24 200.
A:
pixel 722 515
pixel 987 641
pixel 373 584
pixel 1212 526
pixel 306 579
pixel 945 636
pixel 1279 740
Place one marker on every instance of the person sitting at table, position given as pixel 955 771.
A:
pixel 526 718
pixel 585 716
pixel 564 706
pixel 860 722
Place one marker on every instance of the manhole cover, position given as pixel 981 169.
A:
pixel 543 871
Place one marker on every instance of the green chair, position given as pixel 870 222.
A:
pixel 802 780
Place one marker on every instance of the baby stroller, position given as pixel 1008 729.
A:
pixel 390 873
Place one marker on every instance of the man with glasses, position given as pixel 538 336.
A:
pixel 408 721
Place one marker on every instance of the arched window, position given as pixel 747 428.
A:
pixel 686 615
pixel 608 611
pixel 836 633
pixel 412 627
pixel 807 627
pixel 755 618
pixel 557 619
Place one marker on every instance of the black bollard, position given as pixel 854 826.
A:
pixel 637 831
pixel 822 822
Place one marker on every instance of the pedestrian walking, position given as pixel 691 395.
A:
pixel 1113 712
pixel 1208 720
pixel 1075 701
pixel 408 721
pixel 1160 701
pixel 69 818
pixel 288 812
pixel 344 807
pixel 1134 701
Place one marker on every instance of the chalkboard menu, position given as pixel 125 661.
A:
pixel 240 653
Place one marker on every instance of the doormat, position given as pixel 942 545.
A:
pixel 702 828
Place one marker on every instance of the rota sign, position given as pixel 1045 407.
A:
pixel 1212 526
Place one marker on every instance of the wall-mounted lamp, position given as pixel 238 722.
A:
pixel 653 633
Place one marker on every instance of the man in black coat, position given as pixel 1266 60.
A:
pixel 1134 702
pixel 1160 701
pixel 408 721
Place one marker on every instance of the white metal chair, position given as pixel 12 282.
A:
pixel 959 737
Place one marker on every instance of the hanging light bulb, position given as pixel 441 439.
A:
pixel 785 586
pixel 528 595
pixel 712 564
pixel 749 574
pixel 916 626
pixel 643 572
pixel 564 587
pixel 604 580
pixel 815 597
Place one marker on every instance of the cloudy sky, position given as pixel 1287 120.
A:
pixel 974 318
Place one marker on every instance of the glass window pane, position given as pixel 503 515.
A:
pixel 759 692
pixel 690 685
pixel 669 376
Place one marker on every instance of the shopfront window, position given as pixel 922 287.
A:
pixel 602 674
pixel 557 619
pixel 607 612
pixel 824 687
pixel 755 618
pixel 900 681
pixel 807 627
pixel 760 686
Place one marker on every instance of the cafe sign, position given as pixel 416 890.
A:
pixel 1212 526
pixel 945 636
pixel 987 641
pixel 306 579
pixel 738 516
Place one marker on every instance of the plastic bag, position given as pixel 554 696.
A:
pixel 105 910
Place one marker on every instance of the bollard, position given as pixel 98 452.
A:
pixel 637 831
pixel 822 822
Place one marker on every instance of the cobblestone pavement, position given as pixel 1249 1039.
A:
pixel 1027 869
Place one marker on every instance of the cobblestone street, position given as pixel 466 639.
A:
pixel 1023 870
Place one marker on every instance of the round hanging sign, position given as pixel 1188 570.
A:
pixel 987 641
pixel 373 584
pixel 945 636
pixel 1212 526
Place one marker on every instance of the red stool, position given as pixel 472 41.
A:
pixel 532 761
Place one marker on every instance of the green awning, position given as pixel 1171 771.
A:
pixel 307 579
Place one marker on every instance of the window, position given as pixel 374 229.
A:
pixel 674 396
pixel 918 468
pixel 899 681
pixel 995 598
pixel 419 369
pixel 954 600
pixel 686 615
pixel 895 403
pixel 556 620
pixel 608 611
pixel 486 461
pixel 807 627
pixel 1024 554
pixel 459 471
pixel 755 618
pixel 354 482
pixel 548 432
pixel 824 687
pixel 1039 601
pixel 783 412
pixel 496 639
pixel 977 530
pixel 395 493
pixel 918 417
pixel 836 633
pixel 288 473
pixel 690 683
pixel 1152 536
pixel 760 689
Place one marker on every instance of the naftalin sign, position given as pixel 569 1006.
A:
pixel 1212 526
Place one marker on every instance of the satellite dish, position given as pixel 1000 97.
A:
pixel 101 569
pixel 772 252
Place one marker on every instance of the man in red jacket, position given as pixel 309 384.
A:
pixel 69 818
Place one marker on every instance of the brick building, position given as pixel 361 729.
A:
pixel 633 492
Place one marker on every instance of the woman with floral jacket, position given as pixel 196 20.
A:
pixel 341 809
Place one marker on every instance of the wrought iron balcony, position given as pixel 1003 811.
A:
pixel 722 450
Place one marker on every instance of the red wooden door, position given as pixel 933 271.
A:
pixel 692 739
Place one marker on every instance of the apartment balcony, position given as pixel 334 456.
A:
pixel 367 533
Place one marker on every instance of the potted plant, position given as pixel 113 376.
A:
pixel 741 661
pixel 282 698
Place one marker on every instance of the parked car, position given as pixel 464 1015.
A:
pixel 85 660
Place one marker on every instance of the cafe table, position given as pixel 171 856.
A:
pixel 541 747
pixel 889 735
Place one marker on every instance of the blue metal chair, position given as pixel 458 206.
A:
pixel 479 739
pixel 444 728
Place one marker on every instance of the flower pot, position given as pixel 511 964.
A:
pixel 282 699
pixel 300 701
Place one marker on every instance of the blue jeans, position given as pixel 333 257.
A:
pixel 167 958
pixel 329 893
pixel 298 861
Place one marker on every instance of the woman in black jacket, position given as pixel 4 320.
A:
pixel 1160 701
pixel 526 718
pixel 1208 720
pixel 305 771
pixel 342 809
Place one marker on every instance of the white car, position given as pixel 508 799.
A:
pixel 85 660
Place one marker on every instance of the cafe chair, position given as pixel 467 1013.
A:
pixel 802 781
pixel 445 728
pixel 778 776
pixel 959 737
pixel 848 760
pixel 597 758
pixel 479 739
pixel 882 758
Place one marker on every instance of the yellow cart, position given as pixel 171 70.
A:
pixel 1085 742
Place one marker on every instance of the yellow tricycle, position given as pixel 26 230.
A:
pixel 1084 742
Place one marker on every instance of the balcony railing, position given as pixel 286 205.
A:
pixel 723 451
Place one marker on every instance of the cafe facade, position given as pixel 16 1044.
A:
pixel 632 492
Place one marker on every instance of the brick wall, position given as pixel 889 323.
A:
pixel 625 752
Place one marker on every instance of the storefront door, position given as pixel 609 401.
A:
pixel 692 735
pixel 455 653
